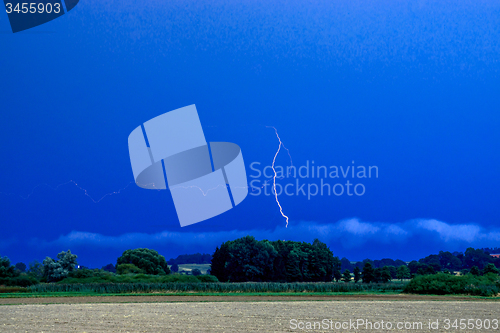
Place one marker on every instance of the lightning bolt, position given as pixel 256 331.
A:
pixel 205 193
pixel 85 192
pixel 104 196
pixel 275 174
pixel 199 188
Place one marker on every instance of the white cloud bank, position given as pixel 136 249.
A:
pixel 350 237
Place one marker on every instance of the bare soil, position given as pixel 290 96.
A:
pixel 200 314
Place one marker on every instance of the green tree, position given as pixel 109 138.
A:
pixel 280 273
pixel 357 274
pixel 67 260
pixel 109 268
pixel 196 272
pixel 128 269
pixel 294 264
pixel 403 272
pixel 337 275
pixel 321 261
pixel 21 267
pixel 399 262
pixel 246 259
pixel 149 261
pixel 418 268
pixel 35 269
pixel 393 271
pixel 297 262
pixel 196 258
pixel 250 260
pixel 475 271
pixel 449 261
pixel 490 268
pixel 429 269
pixel 368 274
pixel 433 261
pixel 385 274
pixel 174 267
pixel 413 266
pixel 346 264
pixel 220 259
pixel 7 272
pixel 54 270
pixel 346 277
pixel 477 258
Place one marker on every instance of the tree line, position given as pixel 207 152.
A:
pixel 246 259
pixel 197 258
pixel 137 261
pixel 476 261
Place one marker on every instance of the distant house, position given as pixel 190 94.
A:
pixel 495 255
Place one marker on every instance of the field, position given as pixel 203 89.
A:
pixel 185 303
pixel 239 316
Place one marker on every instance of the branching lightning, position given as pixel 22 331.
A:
pixel 275 173
pixel 85 192
pixel 104 196
pixel 199 188
pixel 205 193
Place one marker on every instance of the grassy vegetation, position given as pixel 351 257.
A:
pixel 442 284
pixel 178 284
pixel 95 294
pixel 138 278
pixel 6 290
pixel 100 282
pixel 215 287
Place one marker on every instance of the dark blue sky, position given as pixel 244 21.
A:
pixel 408 86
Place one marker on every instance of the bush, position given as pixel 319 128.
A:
pixel 149 261
pixel 196 272
pixel 83 273
pixel 441 284
pixel 4 289
pixel 207 278
pixel 128 269
pixel 134 278
pixel 23 280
